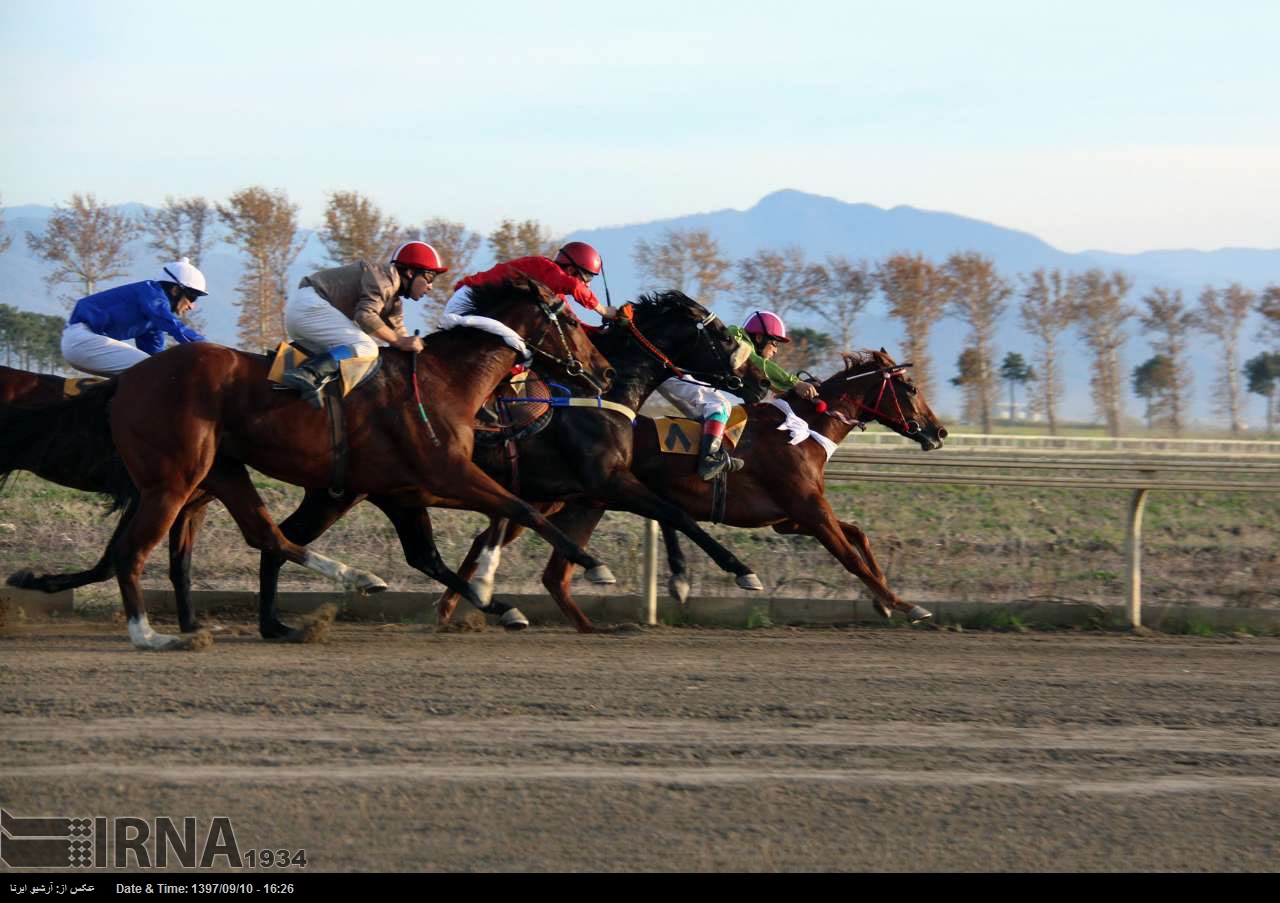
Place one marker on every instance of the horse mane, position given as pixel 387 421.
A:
pixel 487 298
pixel 671 296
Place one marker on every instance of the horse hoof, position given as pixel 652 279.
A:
pixel 918 614
pixel 513 619
pixel 20 579
pixel 601 575
pixel 368 584
pixel 679 589
pixel 276 631
pixel 751 582
pixel 483 589
pixel 883 610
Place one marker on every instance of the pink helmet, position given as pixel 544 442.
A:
pixel 419 255
pixel 766 324
pixel 581 255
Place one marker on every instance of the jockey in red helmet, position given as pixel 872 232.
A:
pixel 575 265
pixel 348 311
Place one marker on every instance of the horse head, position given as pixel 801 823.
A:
pixel 871 383
pixel 551 331
pixel 694 341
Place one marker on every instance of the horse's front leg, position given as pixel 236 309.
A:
pixel 578 523
pixel 182 540
pixel 448 600
pixel 678 583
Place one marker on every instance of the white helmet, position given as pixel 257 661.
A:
pixel 184 274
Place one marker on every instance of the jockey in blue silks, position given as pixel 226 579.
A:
pixel 101 324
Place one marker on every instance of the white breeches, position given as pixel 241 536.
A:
pixel 319 325
pixel 694 400
pixel 458 312
pixel 100 355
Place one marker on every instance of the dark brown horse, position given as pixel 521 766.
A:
pixel 193 417
pixel 781 485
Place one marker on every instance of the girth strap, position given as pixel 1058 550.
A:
pixel 337 438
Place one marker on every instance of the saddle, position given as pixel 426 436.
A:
pixel 682 435
pixel 355 371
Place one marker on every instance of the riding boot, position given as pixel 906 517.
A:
pixel 714 459
pixel 311 376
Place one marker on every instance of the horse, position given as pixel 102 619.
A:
pixel 586 452
pixel 195 417
pixel 781 485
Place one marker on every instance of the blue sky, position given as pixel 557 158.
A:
pixel 1122 126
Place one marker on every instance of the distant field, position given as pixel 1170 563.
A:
pixel 935 542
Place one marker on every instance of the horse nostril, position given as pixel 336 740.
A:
pixel 610 374
pixel 912 427
pixel 942 433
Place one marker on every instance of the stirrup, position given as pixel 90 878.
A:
pixel 712 465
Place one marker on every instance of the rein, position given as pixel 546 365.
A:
pixel 910 427
pixel 570 364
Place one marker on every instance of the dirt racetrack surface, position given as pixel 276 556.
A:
pixel 397 748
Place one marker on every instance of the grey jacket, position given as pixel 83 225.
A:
pixel 368 293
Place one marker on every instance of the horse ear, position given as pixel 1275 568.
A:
pixel 882 351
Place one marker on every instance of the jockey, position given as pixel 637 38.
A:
pixel 575 265
pixel 764 331
pixel 94 339
pixel 348 311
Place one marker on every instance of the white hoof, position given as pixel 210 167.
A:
pixel 483 588
pixel 369 583
pixel 143 637
pixel 918 614
pixel 751 582
pixel 601 575
pixel 513 620
pixel 679 589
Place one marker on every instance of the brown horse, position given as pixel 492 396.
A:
pixel 195 416
pixel 781 485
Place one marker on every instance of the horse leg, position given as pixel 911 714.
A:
pixel 182 539
pixel 413 526
pixel 820 522
pixel 854 534
pixel 229 481
pixel 578 524
pixel 625 492
pixel 105 569
pixel 317 512
pixel 448 600
pixel 678 583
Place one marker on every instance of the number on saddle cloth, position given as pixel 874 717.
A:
pixel 683 435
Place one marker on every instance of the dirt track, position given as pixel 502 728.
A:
pixel 396 748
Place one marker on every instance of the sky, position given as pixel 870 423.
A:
pixel 1121 126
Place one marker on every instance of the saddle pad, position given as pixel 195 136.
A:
pixel 73 386
pixel 355 371
pixel 683 436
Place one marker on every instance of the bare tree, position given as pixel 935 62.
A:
pixel 1269 307
pixel 457 246
pixel 978 296
pixel 1101 315
pixel 1047 309
pixel 522 239
pixel 780 281
pixel 917 294
pixel 687 260
pixel 356 229
pixel 1168 318
pixel 849 290
pixel 1222 315
pixel 179 229
pixel 85 242
pixel 5 238
pixel 264 225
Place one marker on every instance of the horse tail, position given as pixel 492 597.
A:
pixel 68 443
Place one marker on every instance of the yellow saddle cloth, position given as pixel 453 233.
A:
pixel 683 435
pixel 354 370
pixel 73 386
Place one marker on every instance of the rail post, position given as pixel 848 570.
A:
pixel 1133 549
pixel 651 572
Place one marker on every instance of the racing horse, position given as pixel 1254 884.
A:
pixel 781 484
pixel 195 417
pixel 586 452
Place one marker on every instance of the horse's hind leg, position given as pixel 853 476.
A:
pixel 157 510
pixel 678 583
pixel 578 523
pixel 105 569
pixel 182 539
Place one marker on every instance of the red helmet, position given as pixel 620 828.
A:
pixel 766 324
pixel 420 256
pixel 581 255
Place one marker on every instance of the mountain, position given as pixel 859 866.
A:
pixel 822 226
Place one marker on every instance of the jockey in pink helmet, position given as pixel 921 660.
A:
pixel 763 331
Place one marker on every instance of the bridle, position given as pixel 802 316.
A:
pixel 723 379
pixel 570 364
pixel 887 375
